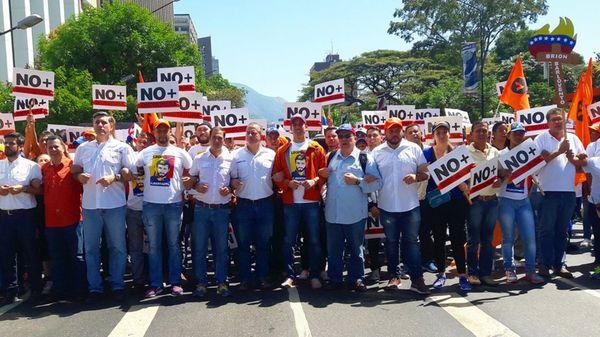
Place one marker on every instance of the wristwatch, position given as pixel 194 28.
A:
pixel 117 177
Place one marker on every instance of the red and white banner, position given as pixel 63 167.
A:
pixel 109 97
pixel 330 92
pixel 406 113
pixel 189 111
pixel 523 161
pixel 534 120
pixel 455 134
pixel 452 169
pixel 233 121
pixel 157 97
pixel 310 111
pixel 594 112
pixel 7 123
pixel 373 229
pixel 184 76
pixel 209 106
pixel 483 177
pixel 374 119
pixel 71 132
pixel 457 112
pixel 33 83
pixel 39 108
pixel 504 117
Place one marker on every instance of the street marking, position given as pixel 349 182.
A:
pixel 135 323
pixel 299 318
pixel 472 318
pixel 586 290
pixel 15 304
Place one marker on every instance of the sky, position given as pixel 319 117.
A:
pixel 270 45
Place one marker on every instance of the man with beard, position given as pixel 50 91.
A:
pixel 20 178
pixel 202 133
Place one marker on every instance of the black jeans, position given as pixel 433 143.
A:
pixel 425 232
pixel 451 215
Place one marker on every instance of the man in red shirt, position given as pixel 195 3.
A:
pixel 62 201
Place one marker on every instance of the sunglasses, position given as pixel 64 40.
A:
pixel 344 136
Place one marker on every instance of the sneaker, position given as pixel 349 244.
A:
pixel 563 272
pixel 153 292
pixel 440 281
pixel 315 283
pixel 393 284
pixel 360 286
pixel 324 275
pixel 430 267
pixel 464 284
pixel 176 290
pixel 489 281
pixel 375 277
pixel 303 275
pixel 586 243
pixel 474 280
pixel 544 271
pixel 288 283
pixel 200 291
pixel 223 290
pixel 511 276
pixel 534 278
pixel 519 263
pixel 418 286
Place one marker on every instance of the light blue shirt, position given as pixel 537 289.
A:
pixel 347 204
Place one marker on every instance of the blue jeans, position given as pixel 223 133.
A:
pixel 210 224
pixel 587 220
pixel 480 232
pixel 112 222
pixel 159 218
pixel 352 237
pixel 517 213
pixel 294 216
pixel 254 225
pixel 17 234
pixel 135 243
pixel 536 204
pixel 68 268
pixel 557 209
pixel 403 225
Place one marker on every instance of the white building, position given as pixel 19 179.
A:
pixel 18 48
pixel 183 24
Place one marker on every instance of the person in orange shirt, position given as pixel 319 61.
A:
pixel 62 201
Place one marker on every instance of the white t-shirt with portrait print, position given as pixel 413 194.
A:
pixel 298 173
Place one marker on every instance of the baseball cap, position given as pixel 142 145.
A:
pixel 595 127
pixel 162 122
pixel 345 127
pixel 298 115
pixel 272 129
pixel 517 126
pixel 439 125
pixel 359 140
pixel 361 129
pixel 89 132
pixel 393 121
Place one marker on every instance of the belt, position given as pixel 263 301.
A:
pixel 12 211
pixel 250 201
pixel 212 206
pixel 486 197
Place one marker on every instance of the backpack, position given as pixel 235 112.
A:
pixel 362 159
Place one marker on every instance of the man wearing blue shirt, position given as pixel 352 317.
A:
pixel 350 177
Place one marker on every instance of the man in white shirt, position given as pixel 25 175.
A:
pixel 211 175
pixel 593 201
pixel 203 134
pixel 19 179
pixel 401 164
pixel 557 178
pixel 102 166
pixel 164 168
pixel 254 209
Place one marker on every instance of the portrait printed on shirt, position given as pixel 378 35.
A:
pixel 137 186
pixel 161 171
pixel 298 165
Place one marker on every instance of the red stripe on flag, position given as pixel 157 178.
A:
pixel 161 104
pixel 536 127
pixel 458 175
pixel 41 92
pixel 518 172
pixel 328 98
pixel 483 185
pixel 187 87
pixel 108 103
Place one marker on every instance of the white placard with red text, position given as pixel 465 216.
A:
pixel 452 169
pixel 483 177
pixel 7 123
pixel 534 120
pixel 457 112
pixel 184 76
pixel 109 97
pixel 189 111
pixel 456 128
pixel 33 83
pixel 310 111
pixel 504 117
pixel 157 97
pixel 233 121
pixel 523 161
pixel 374 119
pixel 330 92
pixel 500 88
pixel 373 229
pixel 39 108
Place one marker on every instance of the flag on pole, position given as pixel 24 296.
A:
pixel 515 93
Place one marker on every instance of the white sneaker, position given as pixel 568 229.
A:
pixel 519 263
pixel 375 275
pixel 586 243
pixel 303 275
pixel 315 283
pixel 324 276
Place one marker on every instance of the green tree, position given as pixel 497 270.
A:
pixel 6 100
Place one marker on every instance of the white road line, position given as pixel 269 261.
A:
pixel 573 284
pixel 472 318
pixel 135 323
pixel 299 318
pixel 15 304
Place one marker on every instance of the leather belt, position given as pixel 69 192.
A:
pixel 212 206
pixel 486 197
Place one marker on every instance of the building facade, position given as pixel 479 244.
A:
pixel 210 64
pixel 182 23
pixel 162 9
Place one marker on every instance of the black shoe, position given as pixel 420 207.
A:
pixel 94 298
pixel 330 285
pixel 360 286
pixel 8 299
pixel 119 295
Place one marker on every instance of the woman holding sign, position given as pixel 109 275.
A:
pixel 448 210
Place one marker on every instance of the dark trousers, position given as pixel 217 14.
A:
pixel 68 269
pixel 449 216
pixel 425 232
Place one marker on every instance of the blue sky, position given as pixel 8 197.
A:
pixel 271 45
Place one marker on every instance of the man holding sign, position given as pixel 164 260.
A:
pixel 564 154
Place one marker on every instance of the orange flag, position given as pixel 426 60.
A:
pixel 515 92
pixel 578 111
pixel 149 119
